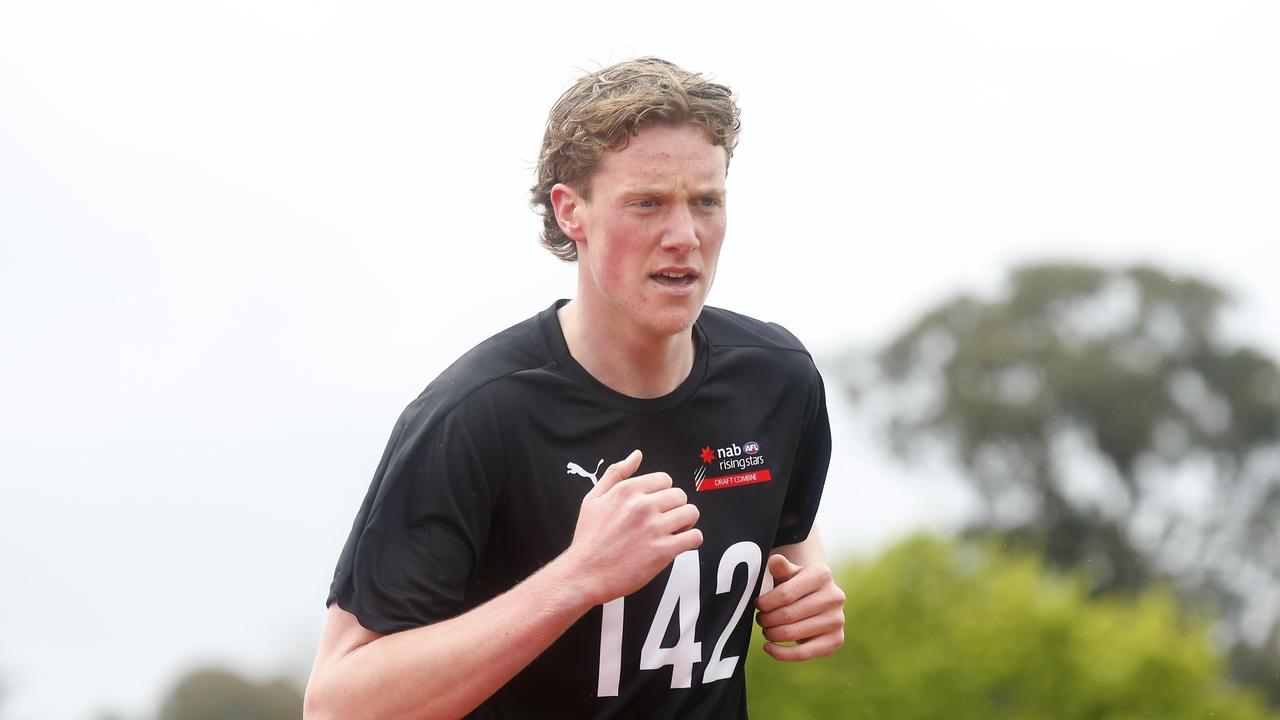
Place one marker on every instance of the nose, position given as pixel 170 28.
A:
pixel 681 233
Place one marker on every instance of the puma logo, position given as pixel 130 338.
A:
pixel 576 469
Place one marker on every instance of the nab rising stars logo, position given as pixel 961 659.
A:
pixel 727 459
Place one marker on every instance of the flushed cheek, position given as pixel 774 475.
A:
pixel 626 259
pixel 616 273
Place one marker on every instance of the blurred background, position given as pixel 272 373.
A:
pixel 1031 245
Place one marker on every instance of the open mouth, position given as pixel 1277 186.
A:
pixel 675 278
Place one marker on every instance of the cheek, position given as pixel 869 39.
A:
pixel 623 249
pixel 712 237
pixel 609 263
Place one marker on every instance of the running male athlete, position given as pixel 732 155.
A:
pixel 489 573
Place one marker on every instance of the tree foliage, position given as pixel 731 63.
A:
pixel 1102 416
pixel 974 632
pixel 218 694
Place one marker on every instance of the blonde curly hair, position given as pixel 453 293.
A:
pixel 603 109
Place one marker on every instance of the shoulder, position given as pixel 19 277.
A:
pixel 480 371
pixel 745 347
pixel 728 329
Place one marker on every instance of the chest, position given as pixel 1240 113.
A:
pixel 732 457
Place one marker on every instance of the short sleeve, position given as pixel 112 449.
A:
pixel 420 530
pixel 808 471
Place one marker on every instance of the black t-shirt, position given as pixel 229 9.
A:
pixel 484 474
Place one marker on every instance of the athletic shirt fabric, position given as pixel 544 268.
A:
pixel 484 474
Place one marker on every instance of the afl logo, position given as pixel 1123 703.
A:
pixel 751 448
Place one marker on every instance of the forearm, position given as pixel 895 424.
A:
pixel 806 552
pixel 446 669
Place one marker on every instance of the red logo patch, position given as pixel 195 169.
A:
pixel 726 481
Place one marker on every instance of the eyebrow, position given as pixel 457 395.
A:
pixel 716 192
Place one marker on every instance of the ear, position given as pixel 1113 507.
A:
pixel 569 207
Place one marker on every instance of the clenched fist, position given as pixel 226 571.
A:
pixel 805 607
pixel 630 528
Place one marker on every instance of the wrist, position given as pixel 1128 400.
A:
pixel 567 576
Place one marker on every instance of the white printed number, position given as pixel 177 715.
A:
pixel 681 599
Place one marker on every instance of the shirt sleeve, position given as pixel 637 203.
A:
pixel 809 470
pixel 422 526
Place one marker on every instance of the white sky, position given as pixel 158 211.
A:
pixel 236 238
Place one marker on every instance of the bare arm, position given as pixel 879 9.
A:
pixel 806 606
pixel 809 551
pixel 629 528
pixel 446 669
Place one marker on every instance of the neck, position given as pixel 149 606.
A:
pixel 634 363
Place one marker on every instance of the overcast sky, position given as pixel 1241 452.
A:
pixel 237 238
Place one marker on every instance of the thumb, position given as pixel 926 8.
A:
pixel 618 472
pixel 781 568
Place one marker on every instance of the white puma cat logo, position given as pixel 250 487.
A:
pixel 576 469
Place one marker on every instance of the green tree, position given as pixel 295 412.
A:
pixel 218 694
pixel 1104 419
pixel 974 632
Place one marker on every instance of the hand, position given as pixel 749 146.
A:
pixel 805 606
pixel 629 529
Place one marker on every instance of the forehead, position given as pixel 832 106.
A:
pixel 663 156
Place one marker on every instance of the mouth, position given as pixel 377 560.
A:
pixel 675 278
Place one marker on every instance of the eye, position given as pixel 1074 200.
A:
pixel 710 202
pixel 646 203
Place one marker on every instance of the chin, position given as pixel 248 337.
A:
pixel 672 321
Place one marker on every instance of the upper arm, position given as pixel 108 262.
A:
pixel 342 635
pixel 414 545
pixel 806 552
pixel 809 469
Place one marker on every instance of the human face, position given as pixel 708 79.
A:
pixel 651 232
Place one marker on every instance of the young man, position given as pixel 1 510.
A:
pixel 572 520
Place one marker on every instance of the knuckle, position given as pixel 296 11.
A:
pixel 636 507
pixel 655 526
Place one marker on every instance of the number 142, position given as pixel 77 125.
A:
pixel 681 595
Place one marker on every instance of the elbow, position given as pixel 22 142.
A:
pixel 316 705
pixel 331 701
